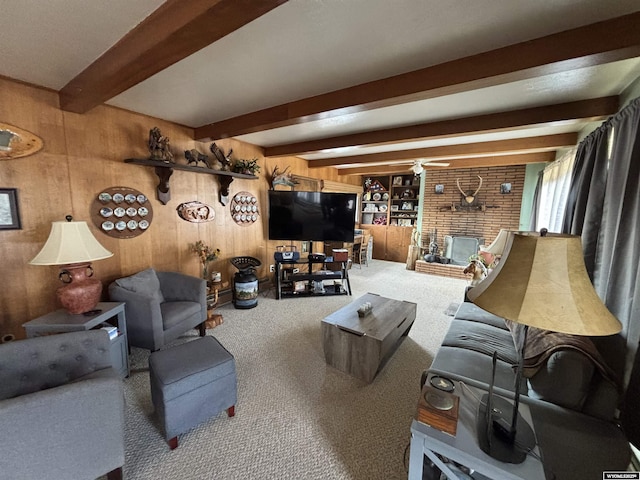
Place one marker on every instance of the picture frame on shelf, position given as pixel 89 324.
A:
pixel 9 211
pixel 408 193
pixel 397 181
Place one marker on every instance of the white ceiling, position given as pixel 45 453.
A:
pixel 310 47
pixel 591 82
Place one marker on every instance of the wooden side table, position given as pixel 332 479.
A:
pixel 62 321
pixel 464 448
pixel 213 319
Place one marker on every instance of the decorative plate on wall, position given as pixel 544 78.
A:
pixel 16 142
pixel 121 212
pixel 196 212
pixel 244 209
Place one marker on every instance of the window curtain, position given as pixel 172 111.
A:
pixel 551 194
pixel 535 207
pixel 604 208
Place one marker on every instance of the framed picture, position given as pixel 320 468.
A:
pixel 439 189
pixel 505 188
pixel 397 180
pixel 9 213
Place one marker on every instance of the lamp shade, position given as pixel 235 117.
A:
pixel 417 168
pixel 70 242
pixel 542 282
pixel 497 246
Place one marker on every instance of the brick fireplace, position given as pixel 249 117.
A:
pixel 502 210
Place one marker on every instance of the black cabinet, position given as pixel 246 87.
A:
pixel 307 278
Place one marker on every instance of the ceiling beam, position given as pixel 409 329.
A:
pixel 445 152
pixel 467 162
pixel 174 31
pixel 591 110
pixel 590 45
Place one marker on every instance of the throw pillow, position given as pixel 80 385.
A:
pixel 145 283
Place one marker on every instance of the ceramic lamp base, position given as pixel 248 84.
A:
pixel 80 293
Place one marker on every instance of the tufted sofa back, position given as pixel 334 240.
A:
pixel 27 366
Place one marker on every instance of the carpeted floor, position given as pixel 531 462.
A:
pixel 296 417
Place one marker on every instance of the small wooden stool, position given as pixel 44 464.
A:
pixel 213 319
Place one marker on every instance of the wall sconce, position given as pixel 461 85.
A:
pixel 439 189
pixel 505 188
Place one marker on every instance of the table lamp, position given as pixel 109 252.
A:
pixel 540 282
pixel 73 246
pixel 496 248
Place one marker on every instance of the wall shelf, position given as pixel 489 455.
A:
pixel 164 171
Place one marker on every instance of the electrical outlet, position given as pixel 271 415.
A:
pixel 272 268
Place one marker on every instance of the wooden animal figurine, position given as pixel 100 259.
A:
pixel 477 270
pixel 159 147
pixel 218 154
pixel 194 156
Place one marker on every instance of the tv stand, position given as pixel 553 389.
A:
pixel 292 281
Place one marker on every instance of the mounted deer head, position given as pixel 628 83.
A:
pixel 469 197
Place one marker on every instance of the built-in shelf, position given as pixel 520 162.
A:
pixel 394 191
pixel 164 170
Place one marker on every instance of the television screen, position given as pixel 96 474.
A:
pixel 312 216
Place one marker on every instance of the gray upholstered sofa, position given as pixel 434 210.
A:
pixel 572 399
pixel 61 408
pixel 160 306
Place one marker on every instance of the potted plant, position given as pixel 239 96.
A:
pixel 206 255
pixel 249 167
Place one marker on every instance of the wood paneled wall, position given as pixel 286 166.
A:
pixel 82 155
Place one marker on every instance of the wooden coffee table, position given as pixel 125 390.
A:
pixel 360 346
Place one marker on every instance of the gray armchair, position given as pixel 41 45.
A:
pixel 160 306
pixel 61 408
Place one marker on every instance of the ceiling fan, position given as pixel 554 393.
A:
pixel 419 164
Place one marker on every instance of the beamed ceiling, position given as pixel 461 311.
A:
pixel 365 86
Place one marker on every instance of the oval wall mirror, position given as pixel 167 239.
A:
pixel 16 142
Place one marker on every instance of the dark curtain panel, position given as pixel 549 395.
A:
pixel 604 208
pixel 533 222
pixel 583 214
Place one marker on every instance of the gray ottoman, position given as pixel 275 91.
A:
pixel 191 383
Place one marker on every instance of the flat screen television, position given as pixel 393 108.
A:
pixel 312 216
